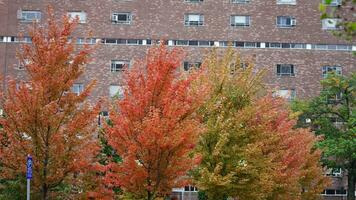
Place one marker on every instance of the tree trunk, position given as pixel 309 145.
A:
pixel 351 182
pixel 44 192
pixel 149 195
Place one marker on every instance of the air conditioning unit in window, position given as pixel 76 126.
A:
pixel 293 22
pixel 115 18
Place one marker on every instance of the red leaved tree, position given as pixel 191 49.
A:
pixel 43 117
pixel 154 126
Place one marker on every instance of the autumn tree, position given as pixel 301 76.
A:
pixel 333 115
pixel 249 148
pixel 154 128
pixel 43 117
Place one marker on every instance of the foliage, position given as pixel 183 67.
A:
pixel 154 128
pixel 333 115
pixel 13 188
pixel 346 13
pixel 43 117
pixel 249 148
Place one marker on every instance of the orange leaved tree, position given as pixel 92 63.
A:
pixel 43 117
pixel 154 126
pixel 249 148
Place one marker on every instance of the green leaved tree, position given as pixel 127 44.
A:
pixel 333 115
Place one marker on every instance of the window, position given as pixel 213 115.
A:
pixel 191 65
pixel 203 43
pixel 29 15
pixel 331 69
pixel 22 65
pixel 247 44
pixel 286 21
pixel 119 65
pixel 77 88
pixel 333 192
pixel 240 1
pixel 334 2
pixel 116 91
pixel 285 70
pixel 193 20
pixel 236 67
pixel 339 124
pixel 82 16
pixel 103 117
pixel 330 23
pixel 121 18
pixel 193 1
pixel 288 94
pixel 86 41
pixel 240 20
pixel 332 47
pixel 190 188
pixel 288 2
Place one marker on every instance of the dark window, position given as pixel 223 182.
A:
pixel 285 70
pixel 191 65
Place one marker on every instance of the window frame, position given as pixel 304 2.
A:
pixel 279 69
pixel 188 23
pixel 80 88
pixel 293 22
pixel 325 70
pixel 188 66
pixel 113 63
pixel 22 13
pixel 81 14
pixel 120 88
pixel 247 19
pixel 240 1
pixel 128 18
pixel 286 2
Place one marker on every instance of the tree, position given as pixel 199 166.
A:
pixel 343 11
pixel 249 148
pixel 154 128
pixel 43 117
pixel 333 115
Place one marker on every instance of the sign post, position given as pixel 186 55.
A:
pixel 29 175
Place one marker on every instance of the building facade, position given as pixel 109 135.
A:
pixel 286 37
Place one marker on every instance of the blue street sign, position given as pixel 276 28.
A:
pixel 29 167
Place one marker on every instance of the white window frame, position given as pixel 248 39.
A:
pixel 193 1
pixel 293 22
pixel 115 18
pixel 247 19
pixel 286 2
pixel 334 3
pixel 123 63
pixel 82 15
pixel 240 1
pixel 21 15
pixel 189 22
pixel 288 94
pixel 77 88
pixel 116 91
pixel 328 68
pixel 330 24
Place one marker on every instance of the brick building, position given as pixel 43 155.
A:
pixel 286 37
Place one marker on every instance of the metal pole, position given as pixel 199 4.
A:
pixel 28 188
